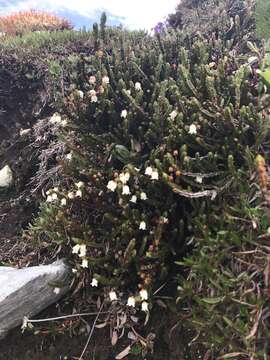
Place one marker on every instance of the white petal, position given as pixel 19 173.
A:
pixel 49 198
pixel 80 94
pixel 64 202
pixel 79 193
pixel 126 190
pixel 55 119
pixel 192 129
pixel 85 263
pixel 173 114
pixel 124 177
pixel 144 294
pixel 94 282
pixel 92 93
pixel 105 80
pixel 71 195
pixel 82 250
pixel 142 225
pixel 133 199
pixel 92 79
pixel 76 249
pixel 54 196
pixel 143 196
pixel 112 296
pixel 138 86
pixel 145 306
pixel 154 175
pixel 112 185
pixel 124 114
pixel 79 184
pixel 131 301
pixel 148 171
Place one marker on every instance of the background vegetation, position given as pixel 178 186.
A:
pixel 23 22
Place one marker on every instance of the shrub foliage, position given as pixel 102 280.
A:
pixel 262 18
pixel 164 180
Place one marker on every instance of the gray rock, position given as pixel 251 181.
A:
pixel 24 132
pixel 6 177
pixel 26 292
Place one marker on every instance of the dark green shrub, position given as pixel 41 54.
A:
pixel 164 183
pixel 215 18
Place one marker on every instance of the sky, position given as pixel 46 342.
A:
pixel 133 14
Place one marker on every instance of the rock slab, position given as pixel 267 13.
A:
pixel 6 177
pixel 28 291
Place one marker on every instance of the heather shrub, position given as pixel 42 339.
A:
pixel 23 22
pixel 262 19
pixel 215 17
pixel 161 147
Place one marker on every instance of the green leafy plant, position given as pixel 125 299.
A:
pixel 162 192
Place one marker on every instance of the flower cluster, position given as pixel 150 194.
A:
pixel 121 182
pixel 56 119
pixel 56 195
pixel 153 173
pixel 132 300
pixel 80 250
pixel 96 89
